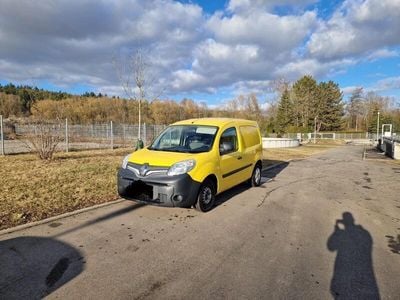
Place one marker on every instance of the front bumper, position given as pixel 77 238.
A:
pixel 163 190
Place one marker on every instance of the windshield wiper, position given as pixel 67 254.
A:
pixel 170 150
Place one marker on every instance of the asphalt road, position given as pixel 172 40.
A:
pixel 324 227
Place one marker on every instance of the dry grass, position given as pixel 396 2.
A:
pixel 275 155
pixel 32 190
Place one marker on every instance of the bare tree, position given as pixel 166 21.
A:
pixel 137 80
pixel 45 139
pixel 279 86
pixel 45 136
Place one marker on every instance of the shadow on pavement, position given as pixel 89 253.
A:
pixel 33 267
pixel 236 190
pixel 227 195
pixel 113 214
pixel 353 276
pixel 273 172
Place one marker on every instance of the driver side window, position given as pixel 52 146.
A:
pixel 228 142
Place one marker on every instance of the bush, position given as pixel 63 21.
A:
pixel 44 140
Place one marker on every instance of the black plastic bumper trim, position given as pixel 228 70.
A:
pixel 169 186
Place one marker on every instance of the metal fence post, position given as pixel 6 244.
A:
pixel 66 136
pixel 111 135
pixel 1 135
pixel 123 135
pixel 145 134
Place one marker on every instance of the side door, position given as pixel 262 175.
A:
pixel 232 165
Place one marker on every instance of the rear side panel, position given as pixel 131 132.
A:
pixel 252 147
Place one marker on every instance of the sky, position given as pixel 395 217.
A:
pixel 209 51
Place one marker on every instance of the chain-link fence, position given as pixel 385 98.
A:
pixel 332 135
pixel 20 138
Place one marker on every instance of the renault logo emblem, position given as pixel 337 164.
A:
pixel 143 169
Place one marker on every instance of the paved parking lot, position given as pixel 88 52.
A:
pixel 327 226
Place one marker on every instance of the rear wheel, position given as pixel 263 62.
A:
pixel 255 179
pixel 206 197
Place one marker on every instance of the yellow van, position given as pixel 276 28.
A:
pixel 191 161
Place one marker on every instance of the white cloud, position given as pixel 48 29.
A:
pixel 187 80
pixel 70 42
pixel 389 83
pixel 356 28
pixel 382 53
pixel 253 86
pixel 295 69
pixel 244 49
pixel 272 32
pixel 244 6
pixel 216 65
pixel 348 90
pixel 241 49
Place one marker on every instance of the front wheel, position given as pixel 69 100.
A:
pixel 206 197
pixel 255 179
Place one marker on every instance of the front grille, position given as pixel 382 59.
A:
pixel 146 170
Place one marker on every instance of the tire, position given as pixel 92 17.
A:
pixel 255 179
pixel 206 197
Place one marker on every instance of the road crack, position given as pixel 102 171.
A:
pixel 286 185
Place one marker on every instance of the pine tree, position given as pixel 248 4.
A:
pixel 26 99
pixel 306 101
pixel 333 108
pixel 285 113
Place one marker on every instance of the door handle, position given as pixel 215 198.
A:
pixel 239 157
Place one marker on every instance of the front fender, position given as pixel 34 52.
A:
pixel 205 169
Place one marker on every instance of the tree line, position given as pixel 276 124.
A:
pixel 17 100
pixel 363 107
pixel 80 110
pixel 307 105
pixel 299 107
pixel 89 108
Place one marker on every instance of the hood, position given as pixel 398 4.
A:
pixel 158 158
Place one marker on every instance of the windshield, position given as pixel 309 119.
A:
pixel 185 138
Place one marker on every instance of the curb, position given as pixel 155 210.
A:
pixel 55 218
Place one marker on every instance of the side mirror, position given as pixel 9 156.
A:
pixel 225 147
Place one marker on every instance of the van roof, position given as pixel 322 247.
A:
pixel 216 122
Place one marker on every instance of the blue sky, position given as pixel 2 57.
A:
pixel 210 51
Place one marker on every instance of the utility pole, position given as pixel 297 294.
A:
pixel 315 129
pixel 1 135
pixel 377 129
pixel 140 120
pixel 66 135
pixel 111 135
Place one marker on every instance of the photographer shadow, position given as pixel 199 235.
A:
pixel 33 267
pixel 353 276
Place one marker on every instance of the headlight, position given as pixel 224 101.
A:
pixel 181 167
pixel 125 161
